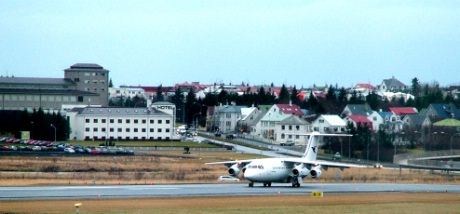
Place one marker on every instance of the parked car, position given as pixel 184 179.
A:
pixel 218 133
pixel 228 178
pixel 230 136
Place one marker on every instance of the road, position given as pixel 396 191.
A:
pixel 186 190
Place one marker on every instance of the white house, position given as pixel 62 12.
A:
pixel 292 130
pixel 328 123
pixel 100 123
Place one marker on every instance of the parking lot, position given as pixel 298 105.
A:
pixel 17 146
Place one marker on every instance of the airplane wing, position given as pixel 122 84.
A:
pixel 229 163
pixel 322 163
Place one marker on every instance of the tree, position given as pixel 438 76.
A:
pixel 160 96
pixel 178 100
pixel 110 83
pixel 373 100
pixel 223 97
pixel 415 87
pixel 294 96
pixel 283 97
pixel 192 108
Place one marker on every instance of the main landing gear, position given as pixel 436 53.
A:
pixel 266 184
pixel 295 182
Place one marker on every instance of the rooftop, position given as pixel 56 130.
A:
pixel 290 109
pixel 403 110
pixel 34 80
pixel 86 66
pixel 111 111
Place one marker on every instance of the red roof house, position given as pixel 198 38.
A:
pixel 360 120
pixel 402 111
pixel 290 109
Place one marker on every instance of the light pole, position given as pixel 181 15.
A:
pixel 54 127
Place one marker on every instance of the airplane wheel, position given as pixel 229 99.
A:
pixel 265 184
pixel 251 184
pixel 269 184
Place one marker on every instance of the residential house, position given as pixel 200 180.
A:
pixel 364 110
pixel 440 111
pixel 360 120
pixel 329 124
pixel 292 129
pixel 226 117
pixel 392 85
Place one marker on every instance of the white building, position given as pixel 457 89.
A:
pixel 329 124
pixel 100 123
pixel 226 117
pixel 127 91
pixel 292 130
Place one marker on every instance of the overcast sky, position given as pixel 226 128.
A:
pixel 293 42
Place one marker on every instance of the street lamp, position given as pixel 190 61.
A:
pixel 54 127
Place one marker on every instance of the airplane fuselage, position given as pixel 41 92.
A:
pixel 268 170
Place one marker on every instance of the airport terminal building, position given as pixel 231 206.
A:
pixel 83 84
pixel 101 123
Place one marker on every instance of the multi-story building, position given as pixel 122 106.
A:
pixel 329 124
pixel 78 88
pixel 100 123
pixel 91 78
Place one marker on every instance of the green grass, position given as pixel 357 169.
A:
pixel 146 144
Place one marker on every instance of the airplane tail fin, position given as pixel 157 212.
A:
pixel 311 150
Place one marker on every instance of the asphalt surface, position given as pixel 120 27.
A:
pixel 186 190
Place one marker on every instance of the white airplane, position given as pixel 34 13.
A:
pixel 284 170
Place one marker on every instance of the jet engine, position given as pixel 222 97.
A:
pixel 234 170
pixel 315 172
pixel 300 170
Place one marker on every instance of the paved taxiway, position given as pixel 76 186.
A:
pixel 184 190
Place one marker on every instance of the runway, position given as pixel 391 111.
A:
pixel 187 190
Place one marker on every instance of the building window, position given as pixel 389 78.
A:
pixel 290 136
pixel 159 121
pixel 111 120
pixel 143 130
pixel 297 137
pixel 167 121
pixel 128 121
pixel 144 121
pixel 80 99
pixel 102 120
pixel 297 128
pixel 136 121
pixel 167 130
pixel 103 129
pixel 151 130
pixel 94 129
pixel 282 127
pixel 151 121
pixel 228 123
pixel 76 79
pixel 86 120
pixel 94 120
pixel 158 130
pixel 120 121
pixel 127 130
pixel 290 127
pixel 119 130
pixel 282 136
pixel 86 129
pixel 111 130
pixel 321 121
